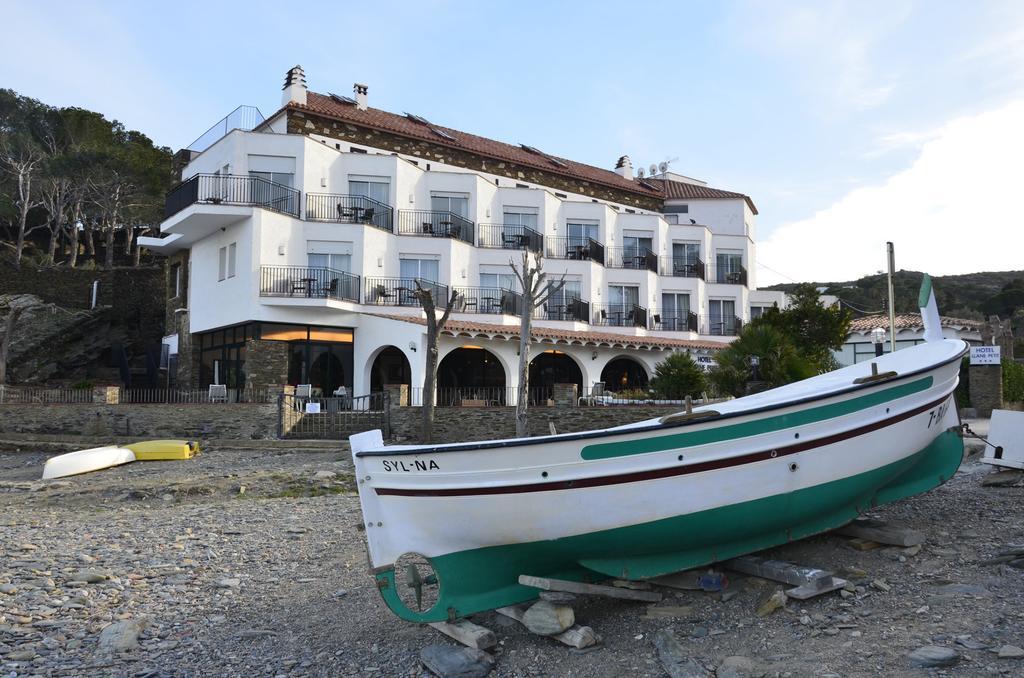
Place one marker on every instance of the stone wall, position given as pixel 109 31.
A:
pixel 144 421
pixel 455 424
pixel 304 122
pixel 986 388
pixel 266 363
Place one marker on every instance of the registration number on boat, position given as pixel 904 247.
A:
pixel 938 414
pixel 411 465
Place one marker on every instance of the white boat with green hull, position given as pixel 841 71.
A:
pixel 461 522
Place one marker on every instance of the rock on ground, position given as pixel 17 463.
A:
pixel 934 656
pixel 446 661
pixel 547 619
pixel 121 635
pixel 673 657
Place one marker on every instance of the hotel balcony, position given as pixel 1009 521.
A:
pixel 510 237
pixel 673 321
pixel 302 282
pixel 402 291
pixel 683 267
pixel 349 209
pixel 229 189
pixel 728 275
pixel 493 300
pixel 570 309
pixel 435 224
pixel 620 315
pixel 580 249
pixel 714 325
pixel 640 259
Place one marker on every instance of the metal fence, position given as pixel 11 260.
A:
pixel 333 417
pixel 349 209
pixel 230 189
pixel 19 395
pixel 435 224
pixel 308 281
pixel 510 237
pixel 539 396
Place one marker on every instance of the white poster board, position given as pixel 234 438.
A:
pixel 985 355
pixel 312 408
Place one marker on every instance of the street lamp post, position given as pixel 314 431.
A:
pixel 878 337
pixel 754 363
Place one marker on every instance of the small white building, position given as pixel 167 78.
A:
pixel 860 343
pixel 296 246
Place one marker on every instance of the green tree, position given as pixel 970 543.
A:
pixel 779 362
pixel 1007 301
pixel 678 376
pixel 811 328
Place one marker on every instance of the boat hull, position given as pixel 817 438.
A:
pixel 635 506
pixel 86 461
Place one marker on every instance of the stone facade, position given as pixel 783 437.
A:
pixel 986 387
pixel 304 122
pixel 459 424
pixel 266 363
pixel 143 421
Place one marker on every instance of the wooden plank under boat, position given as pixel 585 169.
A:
pixel 460 523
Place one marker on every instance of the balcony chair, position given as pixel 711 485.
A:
pixel 367 217
pixel 657 321
pixel 218 393
pixel 428 227
pixel 331 289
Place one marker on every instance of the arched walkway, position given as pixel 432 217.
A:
pixel 471 373
pixel 390 367
pixel 550 368
pixel 624 374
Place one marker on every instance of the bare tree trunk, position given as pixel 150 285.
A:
pixel 137 251
pixel 522 424
pixel 51 250
pixel 434 327
pixel 109 244
pixel 13 313
pixel 24 191
pixel 73 245
pixel 90 242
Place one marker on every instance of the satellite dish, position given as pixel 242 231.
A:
pixel 654 169
pixel 640 172
pixel 663 167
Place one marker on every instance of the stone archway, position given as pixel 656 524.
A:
pixel 471 373
pixel 549 368
pixel 624 374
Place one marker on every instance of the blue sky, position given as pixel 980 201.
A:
pixel 847 122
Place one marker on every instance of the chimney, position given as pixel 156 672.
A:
pixel 294 87
pixel 624 167
pixel 360 92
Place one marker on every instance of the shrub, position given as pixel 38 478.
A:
pixel 779 361
pixel 1013 381
pixel 678 376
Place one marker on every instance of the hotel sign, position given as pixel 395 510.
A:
pixel 985 355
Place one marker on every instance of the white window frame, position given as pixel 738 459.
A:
pixel 222 263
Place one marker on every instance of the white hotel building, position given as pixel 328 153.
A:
pixel 294 247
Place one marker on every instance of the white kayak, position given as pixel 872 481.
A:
pixel 84 461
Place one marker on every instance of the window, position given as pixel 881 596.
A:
pixel 729 264
pixel 520 216
pixel 278 193
pixel 677 209
pixel 456 203
pixel 424 269
pixel 569 292
pixel 722 317
pixel 231 260
pixel 176 280
pixel 374 188
pixel 504 281
pixel 282 178
pixel 623 297
pixel 222 263
pixel 357 150
pixel 637 245
pixel 686 252
pixel 675 311
pixel 335 262
pixel 579 232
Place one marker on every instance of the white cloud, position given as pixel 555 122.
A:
pixel 956 209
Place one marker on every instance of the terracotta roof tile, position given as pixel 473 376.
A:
pixel 907 321
pixel 680 190
pixel 455 327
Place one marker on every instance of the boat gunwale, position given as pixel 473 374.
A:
pixel 607 433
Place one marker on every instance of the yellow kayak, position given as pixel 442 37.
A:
pixel 157 450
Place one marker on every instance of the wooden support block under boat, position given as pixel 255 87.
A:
pixel 467 633
pixel 809 581
pixel 882 532
pixel 576 636
pixel 591 589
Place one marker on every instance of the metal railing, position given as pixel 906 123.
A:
pixel 673 321
pixel 494 300
pixel 631 257
pixel 573 309
pixel 402 291
pixel 30 395
pixel 620 315
pixel 510 237
pixel 230 189
pixel 333 417
pixel 435 224
pixel 349 209
pixel 466 396
pixel 156 396
pixel 244 118
pixel 719 326
pixel 683 267
pixel 580 249
pixel 309 282
pixel 539 396
pixel 727 275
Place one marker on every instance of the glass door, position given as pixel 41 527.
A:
pixel 675 311
pixel 722 316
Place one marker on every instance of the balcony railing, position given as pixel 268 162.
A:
pixel 572 308
pixel 719 326
pixel 620 315
pixel 402 291
pixel 510 237
pixel 728 275
pixel 349 209
pixel 308 282
pixel 639 258
pixel 673 321
pixel 435 224
pixel 229 189
pixel 495 300
pixel 682 267
pixel 581 249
